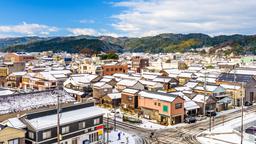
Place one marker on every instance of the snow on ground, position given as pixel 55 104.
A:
pixel 125 137
pixel 146 123
pixel 153 125
pixel 28 101
pixel 228 111
pixel 225 133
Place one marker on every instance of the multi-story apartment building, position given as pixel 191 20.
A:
pixel 139 63
pixel 18 57
pixel 114 67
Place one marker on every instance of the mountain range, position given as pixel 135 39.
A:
pixel 168 42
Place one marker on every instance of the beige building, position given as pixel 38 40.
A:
pixel 9 135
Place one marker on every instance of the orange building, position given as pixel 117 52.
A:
pixel 18 57
pixel 165 108
pixel 112 68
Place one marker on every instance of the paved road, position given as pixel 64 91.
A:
pixel 180 135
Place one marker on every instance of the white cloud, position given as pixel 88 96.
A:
pixel 27 29
pixel 87 21
pixel 90 31
pixel 82 31
pixel 143 18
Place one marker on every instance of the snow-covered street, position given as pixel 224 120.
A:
pixel 227 132
pixel 125 138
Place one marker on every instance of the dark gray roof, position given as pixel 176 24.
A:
pixel 238 77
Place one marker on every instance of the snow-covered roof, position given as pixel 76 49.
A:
pixel 49 121
pixel 200 98
pixel 191 84
pixel 81 79
pixel 173 71
pixel 115 95
pixel 21 73
pixel 186 75
pixel 157 95
pixel 73 91
pixel 102 85
pixel 229 86
pixel 150 77
pixel 150 83
pixel 127 82
pixel 190 105
pixel 209 80
pixel 162 79
pixel 196 68
pixel 105 80
pixel 14 122
pixel 132 91
pixel 46 75
pixel 209 88
pixel 5 92
pixel 244 71
pixel 182 88
pixel 28 101
pixel 181 94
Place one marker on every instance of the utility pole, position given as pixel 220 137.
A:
pixel 210 123
pixel 115 113
pixel 242 114
pixel 107 129
pixel 204 93
pixel 58 117
pixel 234 94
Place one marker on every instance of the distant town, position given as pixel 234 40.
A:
pixel 141 98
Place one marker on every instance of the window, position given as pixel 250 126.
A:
pixel 74 141
pixel 14 141
pixel 46 134
pixel 178 105
pixel 112 69
pixel 159 104
pixel 107 70
pixel 130 98
pixel 81 125
pixel 155 103
pixel 93 137
pixel 31 135
pixel 165 108
pixel 116 69
pixel 96 121
pixel 65 129
pixel 120 69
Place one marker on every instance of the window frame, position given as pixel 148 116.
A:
pixel 96 121
pixel 178 105
pixel 65 129
pixel 46 134
pixel 82 125
pixel 12 141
